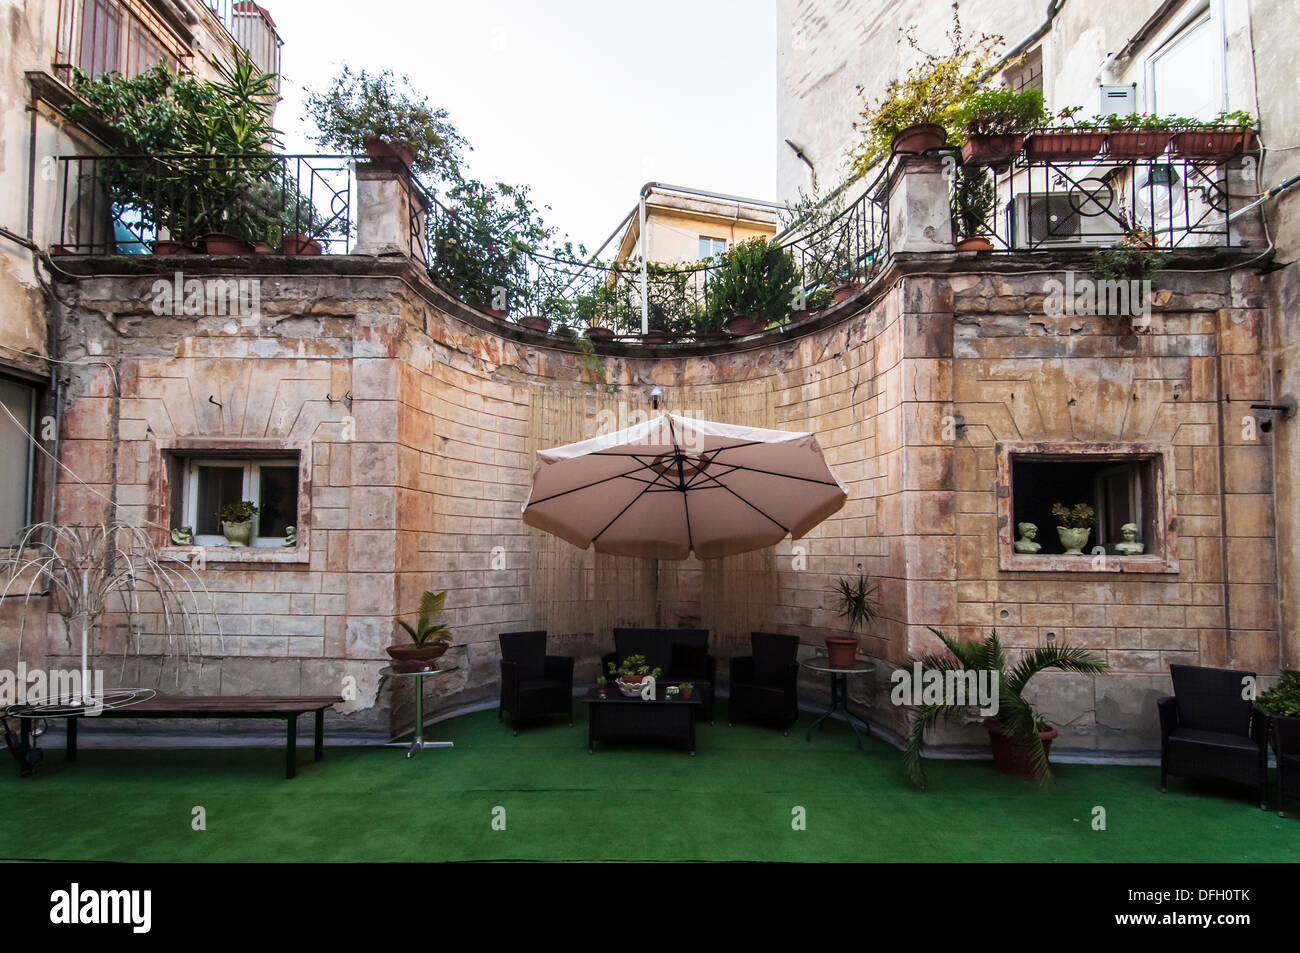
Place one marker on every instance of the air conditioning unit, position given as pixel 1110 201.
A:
pixel 1064 218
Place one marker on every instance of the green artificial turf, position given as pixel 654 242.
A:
pixel 733 801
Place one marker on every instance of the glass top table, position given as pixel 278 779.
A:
pixel 840 691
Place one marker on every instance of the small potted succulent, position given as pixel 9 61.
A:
pixel 429 639
pixel 1073 526
pixel 857 603
pixel 686 690
pixel 237 522
pixel 600 685
pixel 996 122
pixel 631 673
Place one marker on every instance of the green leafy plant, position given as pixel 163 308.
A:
pixel 687 687
pixel 1237 119
pixel 1140 122
pixel 1075 517
pixel 932 90
pixel 240 512
pixel 1002 112
pixel 359 105
pixel 973 199
pixel 1284 697
pixel 1068 119
pixel 1137 257
pixel 1016 716
pixel 634 666
pixel 856 600
pixel 755 279
pixel 425 628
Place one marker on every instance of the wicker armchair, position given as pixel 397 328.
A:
pixel 534 685
pixel 1208 730
pixel 763 683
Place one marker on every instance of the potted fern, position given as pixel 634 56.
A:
pixel 429 639
pixel 856 599
pixel 1019 737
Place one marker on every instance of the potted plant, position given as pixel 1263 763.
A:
pixel 387 119
pixel 856 601
pixel 996 121
pixel 686 690
pixel 631 672
pixel 973 199
pixel 237 522
pixel 752 285
pixel 1066 139
pixel 1019 737
pixel 600 685
pixel 815 301
pixel 429 639
pixel 1227 135
pixel 1137 135
pixel 1137 257
pixel 536 322
pixel 1073 525
pixel 916 110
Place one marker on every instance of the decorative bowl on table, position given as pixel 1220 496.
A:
pixel 416 658
pixel 631 689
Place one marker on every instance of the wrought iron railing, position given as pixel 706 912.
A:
pixel 123 204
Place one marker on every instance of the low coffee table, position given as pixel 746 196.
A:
pixel 619 718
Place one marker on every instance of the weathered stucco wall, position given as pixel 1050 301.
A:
pixel 418 484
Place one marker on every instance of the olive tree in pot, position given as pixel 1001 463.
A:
pixel 429 639
pixel 856 599
pixel 1019 736
pixel 384 116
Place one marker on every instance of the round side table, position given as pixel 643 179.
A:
pixel 839 691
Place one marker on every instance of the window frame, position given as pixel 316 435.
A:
pixel 31 471
pixel 1209 16
pixel 1163 555
pixel 713 243
pixel 252 491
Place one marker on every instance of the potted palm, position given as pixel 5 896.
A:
pixel 429 639
pixel 1019 737
pixel 237 522
pixel 996 122
pixel 386 118
pixel 1073 525
pixel 973 199
pixel 856 601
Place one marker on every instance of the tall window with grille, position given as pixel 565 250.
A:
pixel 123 36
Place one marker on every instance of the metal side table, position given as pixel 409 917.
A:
pixel 839 691
pixel 417 743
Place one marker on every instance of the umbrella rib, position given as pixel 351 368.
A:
pixel 765 516
pixel 681 480
pixel 588 486
pixel 784 476
pixel 620 513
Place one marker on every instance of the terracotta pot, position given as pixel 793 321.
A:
pixel 631 679
pixel 1013 757
pixel 655 337
pixel 1074 538
pixel 1064 144
pixel 167 246
pixel 841 650
pixel 263 250
pixel 975 243
pixel 990 150
pixel 742 325
pixel 844 292
pixel 535 322
pixel 1137 143
pixel 237 534
pixel 686 694
pixel 61 250
pixel 493 312
pixel 416 658
pixel 221 243
pixel 295 244
pixel 1212 143
pixel 385 153
pixel 920 138
pixel 600 334
pixel 804 315
pixel 563 331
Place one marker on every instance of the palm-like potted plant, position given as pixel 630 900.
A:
pixel 237 522
pixel 856 601
pixel 1019 736
pixel 429 638
pixel 1073 525
pixel 996 122
pixel 973 198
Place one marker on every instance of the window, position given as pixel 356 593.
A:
pixel 1184 75
pixel 712 246
pixel 1028 73
pixel 17 458
pixel 126 36
pixel 210 483
pixel 1123 483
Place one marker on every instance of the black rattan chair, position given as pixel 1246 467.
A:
pixel 763 684
pixel 534 685
pixel 1286 745
pixel 1208 730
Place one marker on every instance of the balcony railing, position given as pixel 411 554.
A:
pixel 123 204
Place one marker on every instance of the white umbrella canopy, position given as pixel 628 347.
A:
pixel 675 485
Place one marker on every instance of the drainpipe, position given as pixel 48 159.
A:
pixel 645 308
pixel 1053 8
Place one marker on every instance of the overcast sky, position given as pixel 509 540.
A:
pixel 584 101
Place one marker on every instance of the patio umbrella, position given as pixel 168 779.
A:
pixel 673 485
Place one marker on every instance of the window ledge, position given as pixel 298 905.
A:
pixel 239 554
pixel 1059 562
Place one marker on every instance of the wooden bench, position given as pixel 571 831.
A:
pixel 288 707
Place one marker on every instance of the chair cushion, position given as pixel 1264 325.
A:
pixel 773 656
pixel 527 650
pixel 1210 699
pixel 1217 739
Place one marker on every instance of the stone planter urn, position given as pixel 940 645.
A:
pixel 237 534
pixel 1074 538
